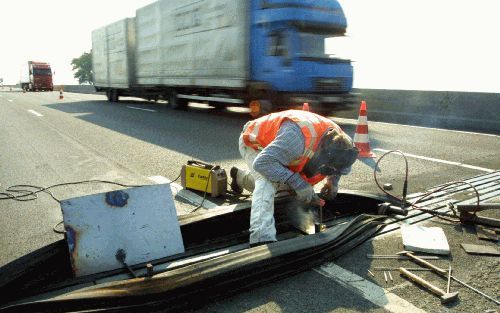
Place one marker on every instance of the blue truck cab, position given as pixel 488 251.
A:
pixel 287 53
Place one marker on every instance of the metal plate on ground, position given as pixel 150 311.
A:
pixel 142 222
pixel 480 249
pixel 486 233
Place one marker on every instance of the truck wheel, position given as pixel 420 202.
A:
pixel 177 103
pixel 260 107
pixel 112 95
pixel 218 106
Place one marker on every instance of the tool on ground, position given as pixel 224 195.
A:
pixel 369 272
pixel 446 297
pixel 400 257
pixel 449 280
pixel 388 209
pixel 385 276
pixel 443 273
pixel 121 255
pixel 208 178
pixel 468 214
pixel 390 276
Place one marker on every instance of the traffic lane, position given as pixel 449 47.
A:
pixel 460 146
pixel 167 138
pixel 156 143
pixel 212 137
pixel 464 147
pixel 35 153
pixel 438 147
pixel 169 132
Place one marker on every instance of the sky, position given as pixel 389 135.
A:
pixel 395 44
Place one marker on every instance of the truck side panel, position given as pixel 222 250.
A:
pixel 193 43
pixel 113 47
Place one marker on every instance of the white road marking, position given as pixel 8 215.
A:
pixel 442 161
pixel 35 113
pixel 183 193
pixel 134 108
pixel 368 290
pixel 160 179
pixel 420 127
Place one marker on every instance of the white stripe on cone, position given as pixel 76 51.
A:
pixel 361 138
pixel 363 120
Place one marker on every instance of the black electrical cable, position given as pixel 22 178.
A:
pixel 204 195
pixel 17 194
pixel 414 204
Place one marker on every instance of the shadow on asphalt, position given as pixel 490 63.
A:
pixel 188 132
pixel 202 133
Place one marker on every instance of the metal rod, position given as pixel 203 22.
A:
pixel 370 272
pixel 449 280
pixel 440 271
pixel 385 276
pixel 475 290
pixel 390 276
pixel 415 269
pixel 400 257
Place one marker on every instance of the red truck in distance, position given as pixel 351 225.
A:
pixel 36 76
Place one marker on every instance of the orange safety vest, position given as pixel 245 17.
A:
pixel 262 131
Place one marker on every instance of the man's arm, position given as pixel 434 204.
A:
pixel 273 160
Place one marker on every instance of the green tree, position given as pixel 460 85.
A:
pixel 83 68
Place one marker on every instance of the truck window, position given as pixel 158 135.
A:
pixel 278 44
pixel 315 45
pixel 42 71
pixel 312 45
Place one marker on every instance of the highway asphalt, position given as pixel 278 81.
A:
pixel 46 141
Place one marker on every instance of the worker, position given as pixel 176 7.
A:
pixel 294 148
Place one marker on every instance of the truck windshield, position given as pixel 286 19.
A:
pixel 314 45
pixel 42 71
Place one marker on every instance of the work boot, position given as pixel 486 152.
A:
pixel 234 182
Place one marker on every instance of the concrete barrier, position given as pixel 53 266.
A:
pixel 76 88
pixel 443 109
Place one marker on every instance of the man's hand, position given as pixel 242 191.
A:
pixel 306 194
pixel 329 190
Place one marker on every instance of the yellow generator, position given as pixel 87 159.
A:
pixel 204 177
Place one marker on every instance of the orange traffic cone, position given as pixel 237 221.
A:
pixel 361 138
pixel 305 107
pixel 61 96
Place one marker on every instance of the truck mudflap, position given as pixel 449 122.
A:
pixel 240 269
pixel 214 278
